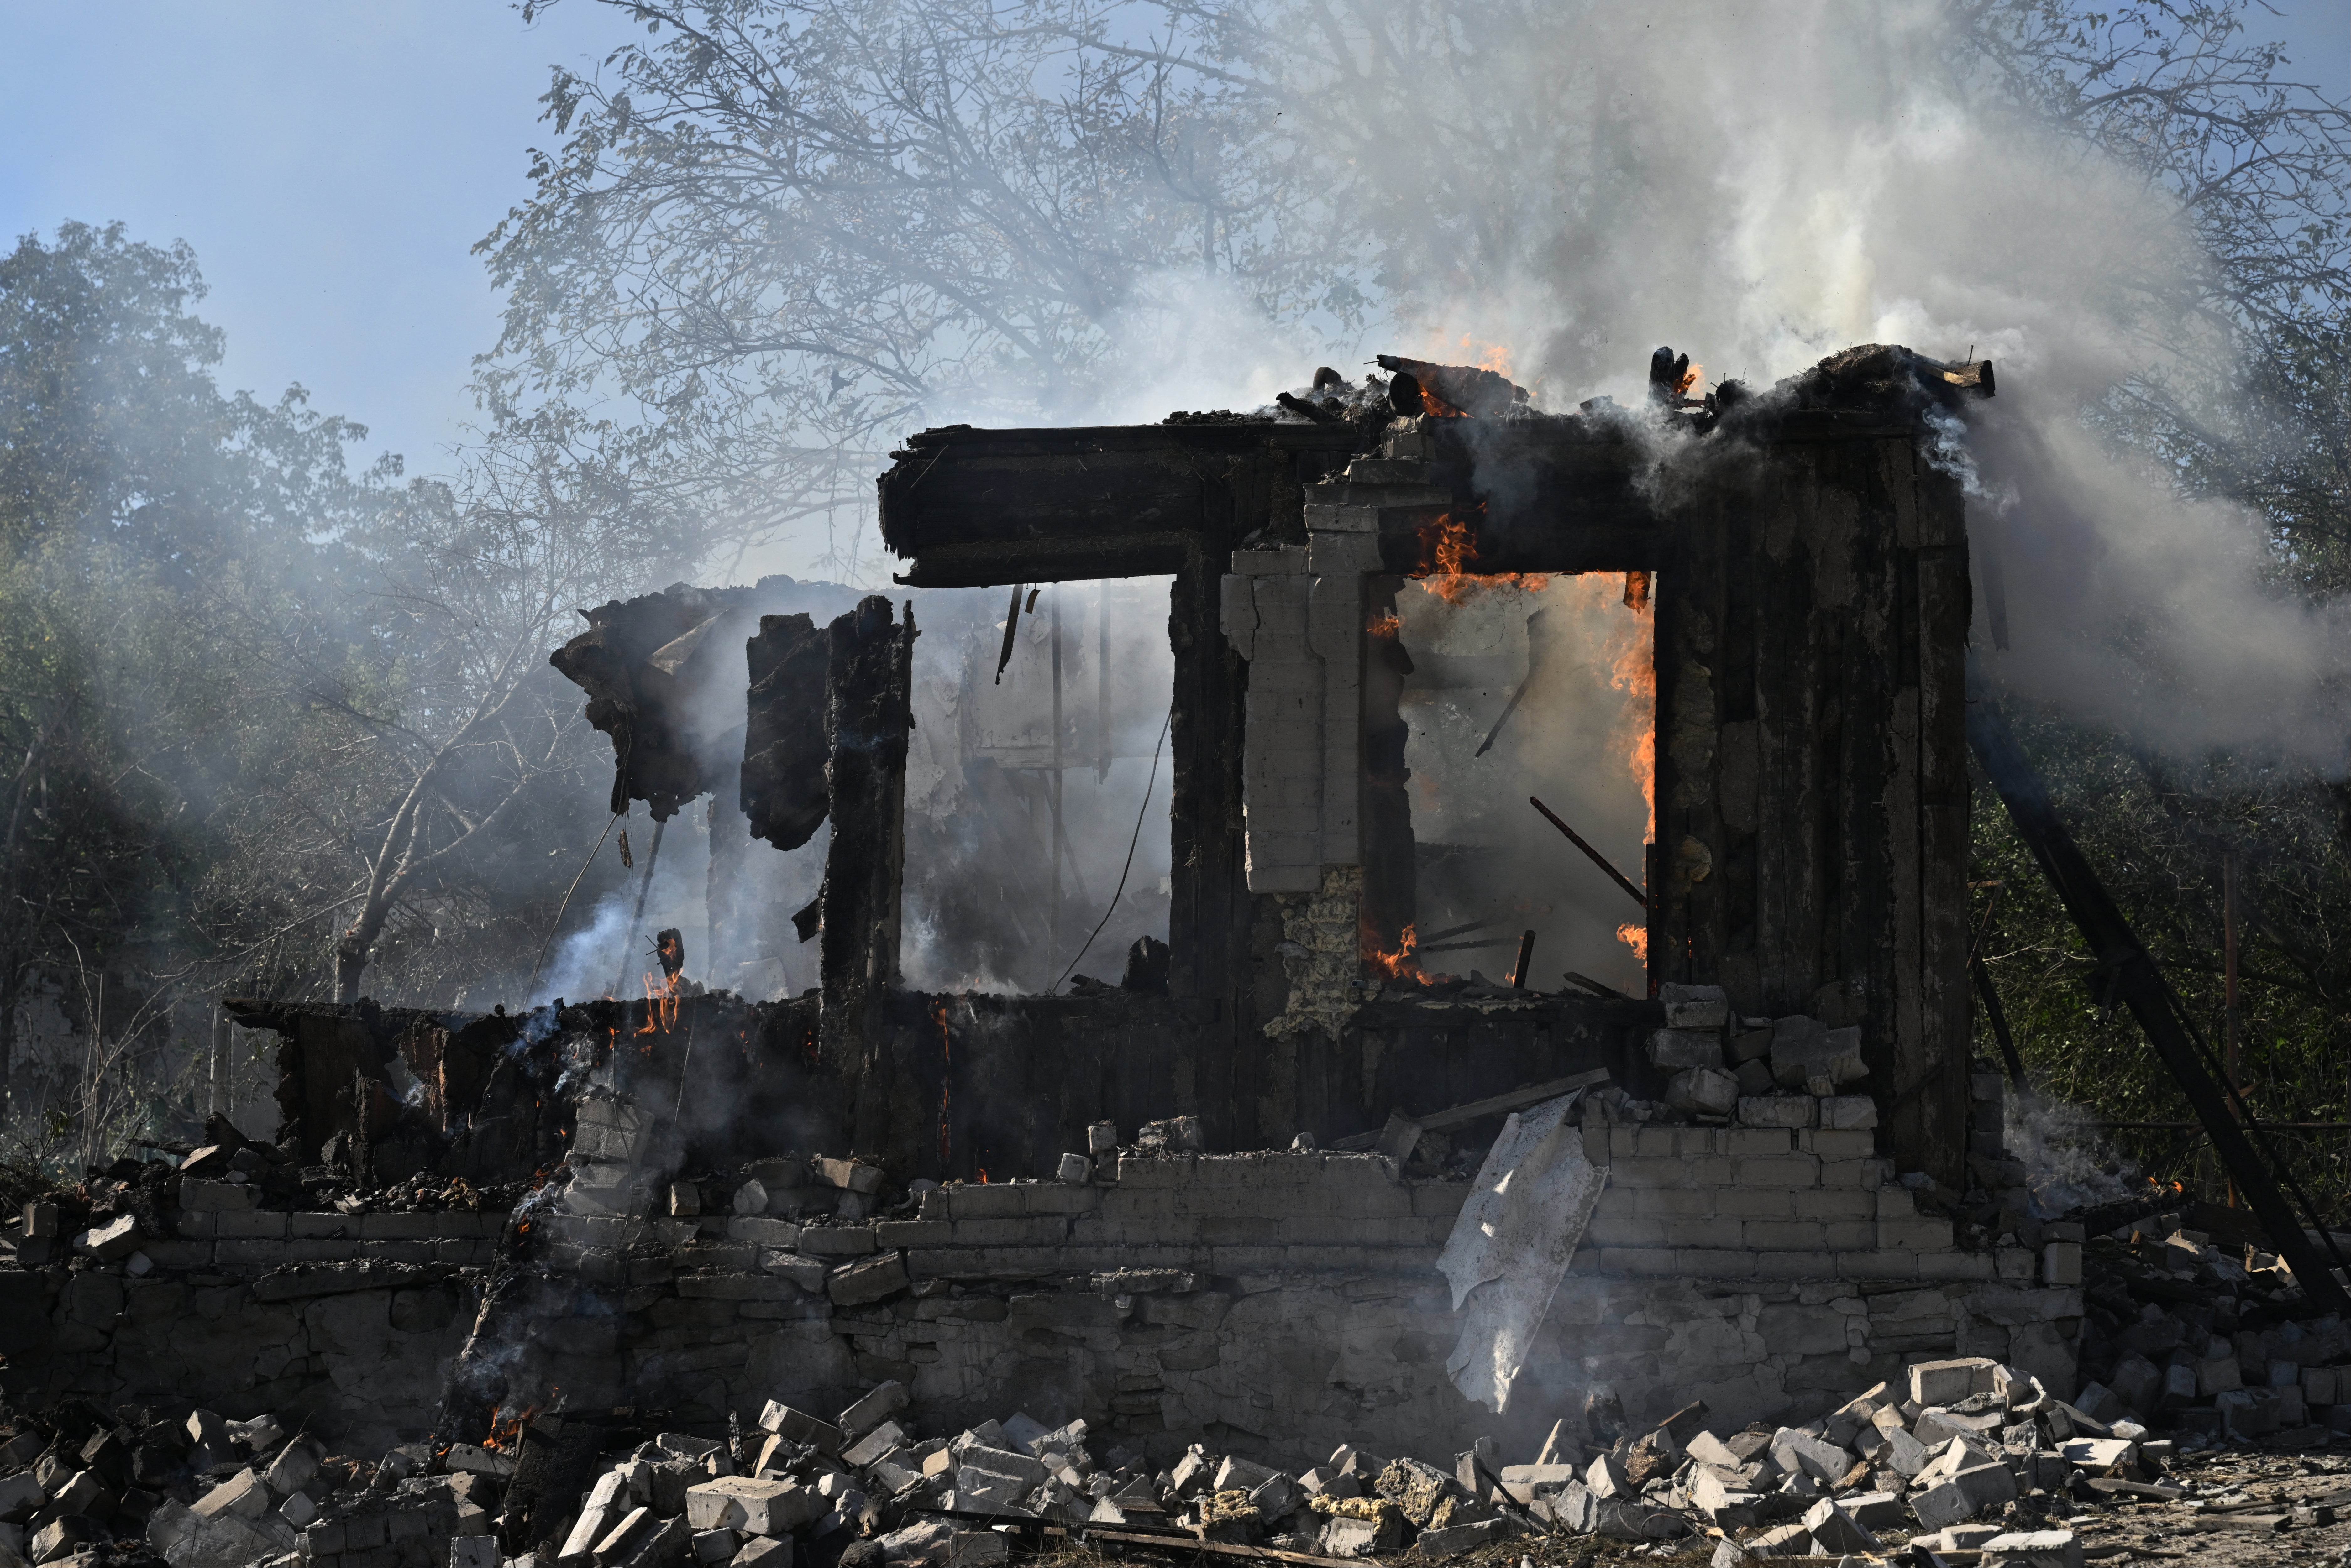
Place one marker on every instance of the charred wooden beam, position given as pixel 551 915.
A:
pixel 868 687
pixel 2129 974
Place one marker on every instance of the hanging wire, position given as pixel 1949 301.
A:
pixel 1149 785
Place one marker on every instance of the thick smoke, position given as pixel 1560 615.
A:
pixel 1762 186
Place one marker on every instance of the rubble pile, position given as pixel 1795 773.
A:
pixel 1967 1455
pixel 2213 1347
pixel 79 1483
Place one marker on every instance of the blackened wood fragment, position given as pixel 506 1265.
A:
pixel 783 792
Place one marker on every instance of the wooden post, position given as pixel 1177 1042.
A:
pixel 869 684
pixel 2232 1056
pixel 217 1098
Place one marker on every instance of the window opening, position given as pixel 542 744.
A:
pixel 1523 687
pixel 1024 785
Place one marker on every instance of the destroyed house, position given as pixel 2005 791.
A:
pixel 1810 795
pixel 1215 1194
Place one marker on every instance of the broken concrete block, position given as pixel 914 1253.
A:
pixel 241 1494
pixel 872 1279
pixel 1020 1468
pixel 20 1493
pixel 1101 1137
pixel 711 1547
pixel 1948 1382
pixel 2099 1456
pixel 474 1551
pixel 1240 1475
pixel 1703 1092
pixel 799 1426
pixel 1781 1540
pixel 766 1551
pixel 1636 1519
pixel 298 1510
pixel 1754 1079
pixel 602 1510
pixel 1345 1537
pixel 2032 1549
pixel 776 1511
pixel 1874 1510
pixel 1797 1111
pixel 1709 1449
pixel 1730 1506
pixel 1075 1168
pixel 1605 1477
pixel 117 1237
pixel 870 1447
pixel 1794 1449
pixel 1835 1530
pixel 1965 1495
pixel 292 1470
pixel 1749 1045
pixel 1849 1113
pixel 622 1540
pixel 876 1405
pixel 684 1200
pixel 1673 1050
pixel 849 1175
pixel 2218 1374
pixel 1695 1007
pixel 84 1492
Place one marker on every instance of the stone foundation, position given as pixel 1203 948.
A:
pixel 1287 1302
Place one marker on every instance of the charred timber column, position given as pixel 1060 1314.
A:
pixel 869 682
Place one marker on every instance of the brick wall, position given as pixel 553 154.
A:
pixel 1285 1300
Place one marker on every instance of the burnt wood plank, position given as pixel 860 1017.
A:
pixel 1934 1134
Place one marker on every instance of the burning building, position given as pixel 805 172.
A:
pixel 1223 1194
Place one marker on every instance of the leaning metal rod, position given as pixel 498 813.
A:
pixel 620 985
pixel 1631 891
pixel 557 923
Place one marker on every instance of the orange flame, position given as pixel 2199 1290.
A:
pixel 1386 626
pixel 1399 964
pixel 505 1431
pixel 1448 546
pixel 661 1003
pixel 1630 654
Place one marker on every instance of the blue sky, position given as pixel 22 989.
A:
pixel 333 165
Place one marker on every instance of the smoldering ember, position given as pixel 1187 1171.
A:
pixel 1277 1242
